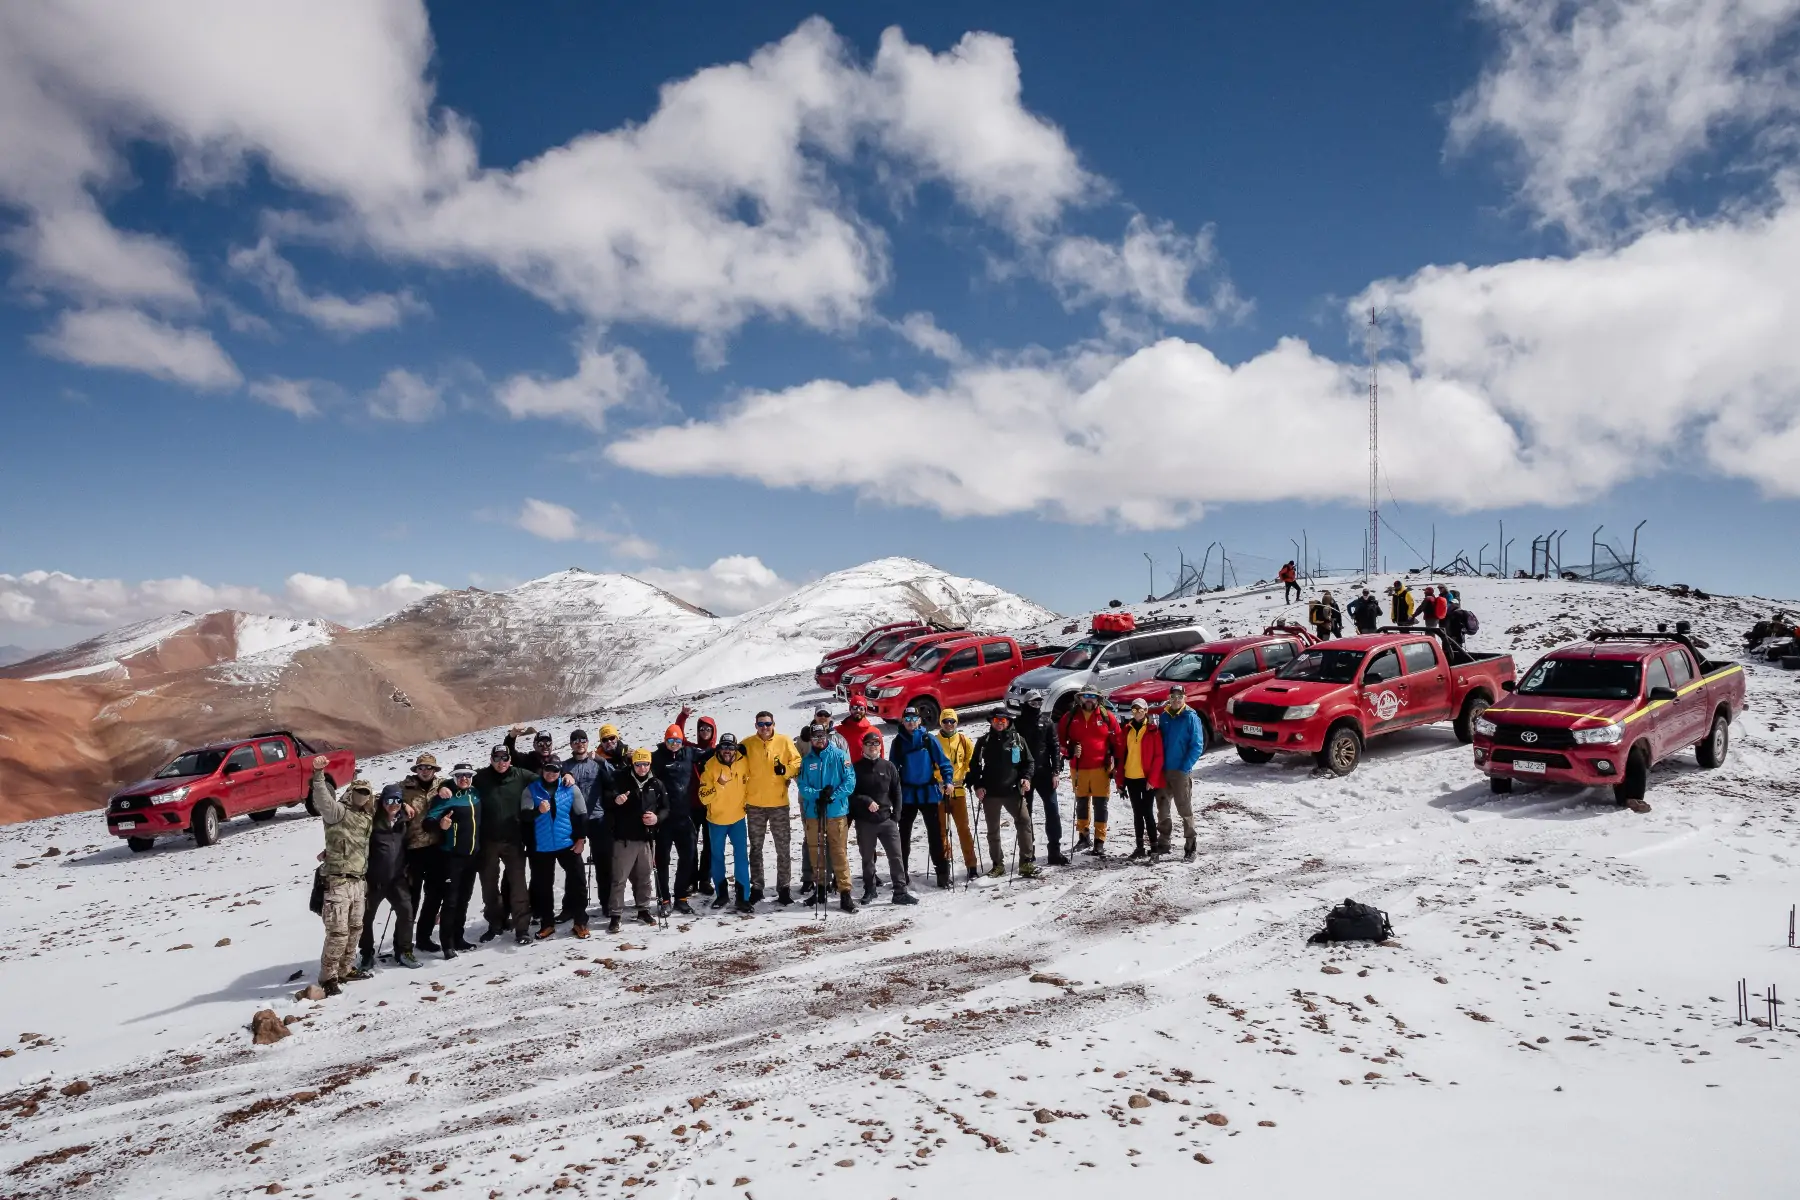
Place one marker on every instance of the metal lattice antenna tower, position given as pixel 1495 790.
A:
pixel 1369 348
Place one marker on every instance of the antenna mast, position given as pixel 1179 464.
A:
pixel 1369 349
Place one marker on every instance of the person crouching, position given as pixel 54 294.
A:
pixel 640 806
pixel 456 811
pixel 555 828
pixel 348 820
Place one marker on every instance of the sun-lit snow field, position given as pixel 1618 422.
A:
pixel 1555 1018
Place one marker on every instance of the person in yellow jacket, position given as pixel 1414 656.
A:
pixel 1403 607
pixel 724 787
pixel 772 762
pixel 960 751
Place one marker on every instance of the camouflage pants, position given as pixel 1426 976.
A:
pixel 343 914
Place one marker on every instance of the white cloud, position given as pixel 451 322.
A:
pixel 76 250
pixel 1603 100
pixel 1152 269
pixel 404 396
pixel 265 266
pixel 603 380
pixel 53 598
pixel 922 330
pixel 731 585
pixel 126 339
pixel 297 396
pixel 557 523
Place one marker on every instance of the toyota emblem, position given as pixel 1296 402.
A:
pixel 1528 737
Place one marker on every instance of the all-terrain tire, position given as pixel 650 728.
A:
pixel 139 845
pixel 1061 708
pixel 1636 780
pixel 1343 750
pixel 928 712
pixel 1209 738
pixel 1251 755
pixel 1500 785
pixel 1717 745
pixel 204 824
pixel 1472 709
pixel 263 814
pixel 312 810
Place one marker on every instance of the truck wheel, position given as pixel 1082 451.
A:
pixel 1636 780
pixel 1499 785
pixel 139 845
pixel 928 711
pixel 204 824
pixel 1208 739
pixel 1472 709
pixel 1251 755
pixel 1713 750
pixel 1062 706
pixel 312 810
pixel 1343 750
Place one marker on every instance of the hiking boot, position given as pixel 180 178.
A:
pixel 644 917
pixel 1028 870
pixel 1187 853
pixel 706 887
pixel 1056 859
pixel 1639 805
pixel 365 961
pixel 784 896
pixel 1140 852
pixel 425 943
pixel 580 930
pixel 546 931
pixel 613 924
pixel 684 908
pixel 746 905
pixel 493 931
pixel 755 895
pixel 905 898
pixel 358 975
pixel 331 988
pixel 868 896
pixel 1082 842
pixel 408 959
pixel 522 938
pixel 1097 850
pixel 973 874
pixel 449 953
pixel 943 877
pixel 721 897
pixel 845 902
pixel 999 871
pixel 565 916
pixel 663 909
pixel 464 944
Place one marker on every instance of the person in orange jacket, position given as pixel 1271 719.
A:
pixel 1138 770
pixel 1290 583
pixel 1090 741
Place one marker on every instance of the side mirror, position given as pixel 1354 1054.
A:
pixel 232 768
pixel 1507 685
pixel 1662 693
pixel 1228 677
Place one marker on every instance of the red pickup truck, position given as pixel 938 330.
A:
pixel 1604 711
pixel 871 645
pixel 201 788
pixel 1214 672
pixel 858 679
pixel 1336 695
pixel 964 670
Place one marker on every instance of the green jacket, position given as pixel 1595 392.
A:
pixel 502 796
pixel 348 821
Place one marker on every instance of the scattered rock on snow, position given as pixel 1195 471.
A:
pixel 266 1027
pixel 1328 969
pixel 1216 1118
pixel 221 942
pixel 80 1087
pixel 1138 1101
pixel 311 991
pixel 1044 1116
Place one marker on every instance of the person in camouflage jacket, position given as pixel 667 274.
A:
pixel 348 820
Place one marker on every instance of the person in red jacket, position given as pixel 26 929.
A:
pixel 1090 736
pixel 856 727
pixel 1290 583
pixel 1138 770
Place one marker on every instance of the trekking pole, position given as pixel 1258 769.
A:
pixel 388 924
pixel 967 884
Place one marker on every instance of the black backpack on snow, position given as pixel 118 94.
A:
pixel 1353 922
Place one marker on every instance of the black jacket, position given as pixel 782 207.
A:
pixel 1039 734
pixel 877 781
pixel 642 797
pixel 678 771
pixel 502 798
pixel 528 760
pixel 1001 763
pixel 387 845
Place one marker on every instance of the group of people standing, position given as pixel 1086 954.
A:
pixel 1440 607
pixel 663 821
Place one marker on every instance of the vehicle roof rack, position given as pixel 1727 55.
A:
pixel 1148 625
pixel 1681 635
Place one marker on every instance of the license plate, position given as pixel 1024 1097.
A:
pixel 1251 730
pixel 128 823
pixel 1526 766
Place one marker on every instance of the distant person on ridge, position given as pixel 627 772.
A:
pixel 348 821
pixel 1290 582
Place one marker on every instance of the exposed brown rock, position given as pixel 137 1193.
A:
pixel 266 1027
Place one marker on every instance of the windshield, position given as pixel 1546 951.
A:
pixel 879 643
pixel 1583 679
pixel 899 650
pixel 1190 668
pixel 1324 666
pixel 194 762
pixel 1079 656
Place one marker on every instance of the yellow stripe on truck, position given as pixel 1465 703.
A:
pixel 1698 683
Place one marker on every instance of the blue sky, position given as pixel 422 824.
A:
pixel 297 302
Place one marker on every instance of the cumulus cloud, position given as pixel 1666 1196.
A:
pixel 731 585
pixel 603 380
pixel 404 396
pixel 558 523
pixel 76 250
pixel 265 266
pixel 298 396
pixel 1152 269
pixel 925 334
pixel 128 340
pixel 53 598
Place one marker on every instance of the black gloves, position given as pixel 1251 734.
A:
pixel 780 768
pixel 825 794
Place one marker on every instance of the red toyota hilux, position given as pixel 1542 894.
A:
pixel 871 645
pixel 1336 695
pixel 1214 672
pixel 1604 711
pixel 200 789
pixel 859 679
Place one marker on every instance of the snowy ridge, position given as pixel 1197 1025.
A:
pixel 1556 1006
pixel 102 653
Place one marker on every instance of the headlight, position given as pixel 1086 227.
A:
pixel 171 796
pixel 1605 735
pixel 1485 727
pixel 1231 705
pixel 1299 712
pixel 883 693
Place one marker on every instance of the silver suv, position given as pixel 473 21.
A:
pixel 1105 661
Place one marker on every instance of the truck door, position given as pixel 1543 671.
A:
pixel 282 773
pixel 961 676
pixel 1384 693
pixel 1427 682
pixel 1689 717
pixel 1664 721
pixel 1236 673
pixel 241 781
pixel 1113 668
pixel 997 662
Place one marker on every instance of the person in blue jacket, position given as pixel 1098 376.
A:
pixel 921 762
pixel 555 825
pixel 1183 741
pixel 456 813
pixel 826 781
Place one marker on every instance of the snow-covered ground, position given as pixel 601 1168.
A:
pixel 1556 1014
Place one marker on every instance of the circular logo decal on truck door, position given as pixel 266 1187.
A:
pixel 1385 704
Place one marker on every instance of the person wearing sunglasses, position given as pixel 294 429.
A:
pixel 856 728
pixel 611 779
pixel 1001 777
pixel 826 781
pixel 771 763
pixel 677 765
pixel 919 758
pixel 554 818
pixel 416 792
pixel 955 811
pixel 723 786
pixel 456 810
pixel 501 786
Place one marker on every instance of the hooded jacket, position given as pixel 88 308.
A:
pixel 768 786
pixel 822 771
pixel 921 763
pixel 561 827
pixel 1000 762
pixel 877 782
pixel 853 731
pixel 1183 739
pixel 502 797
pixel 387 842
pixel 678 771
pixel 959 750
pixel 643 797
pixel 722 790
pixel 463 807
pixel 1039 733
pixel 1089 740
pixel 348 820
pixel 1150 753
